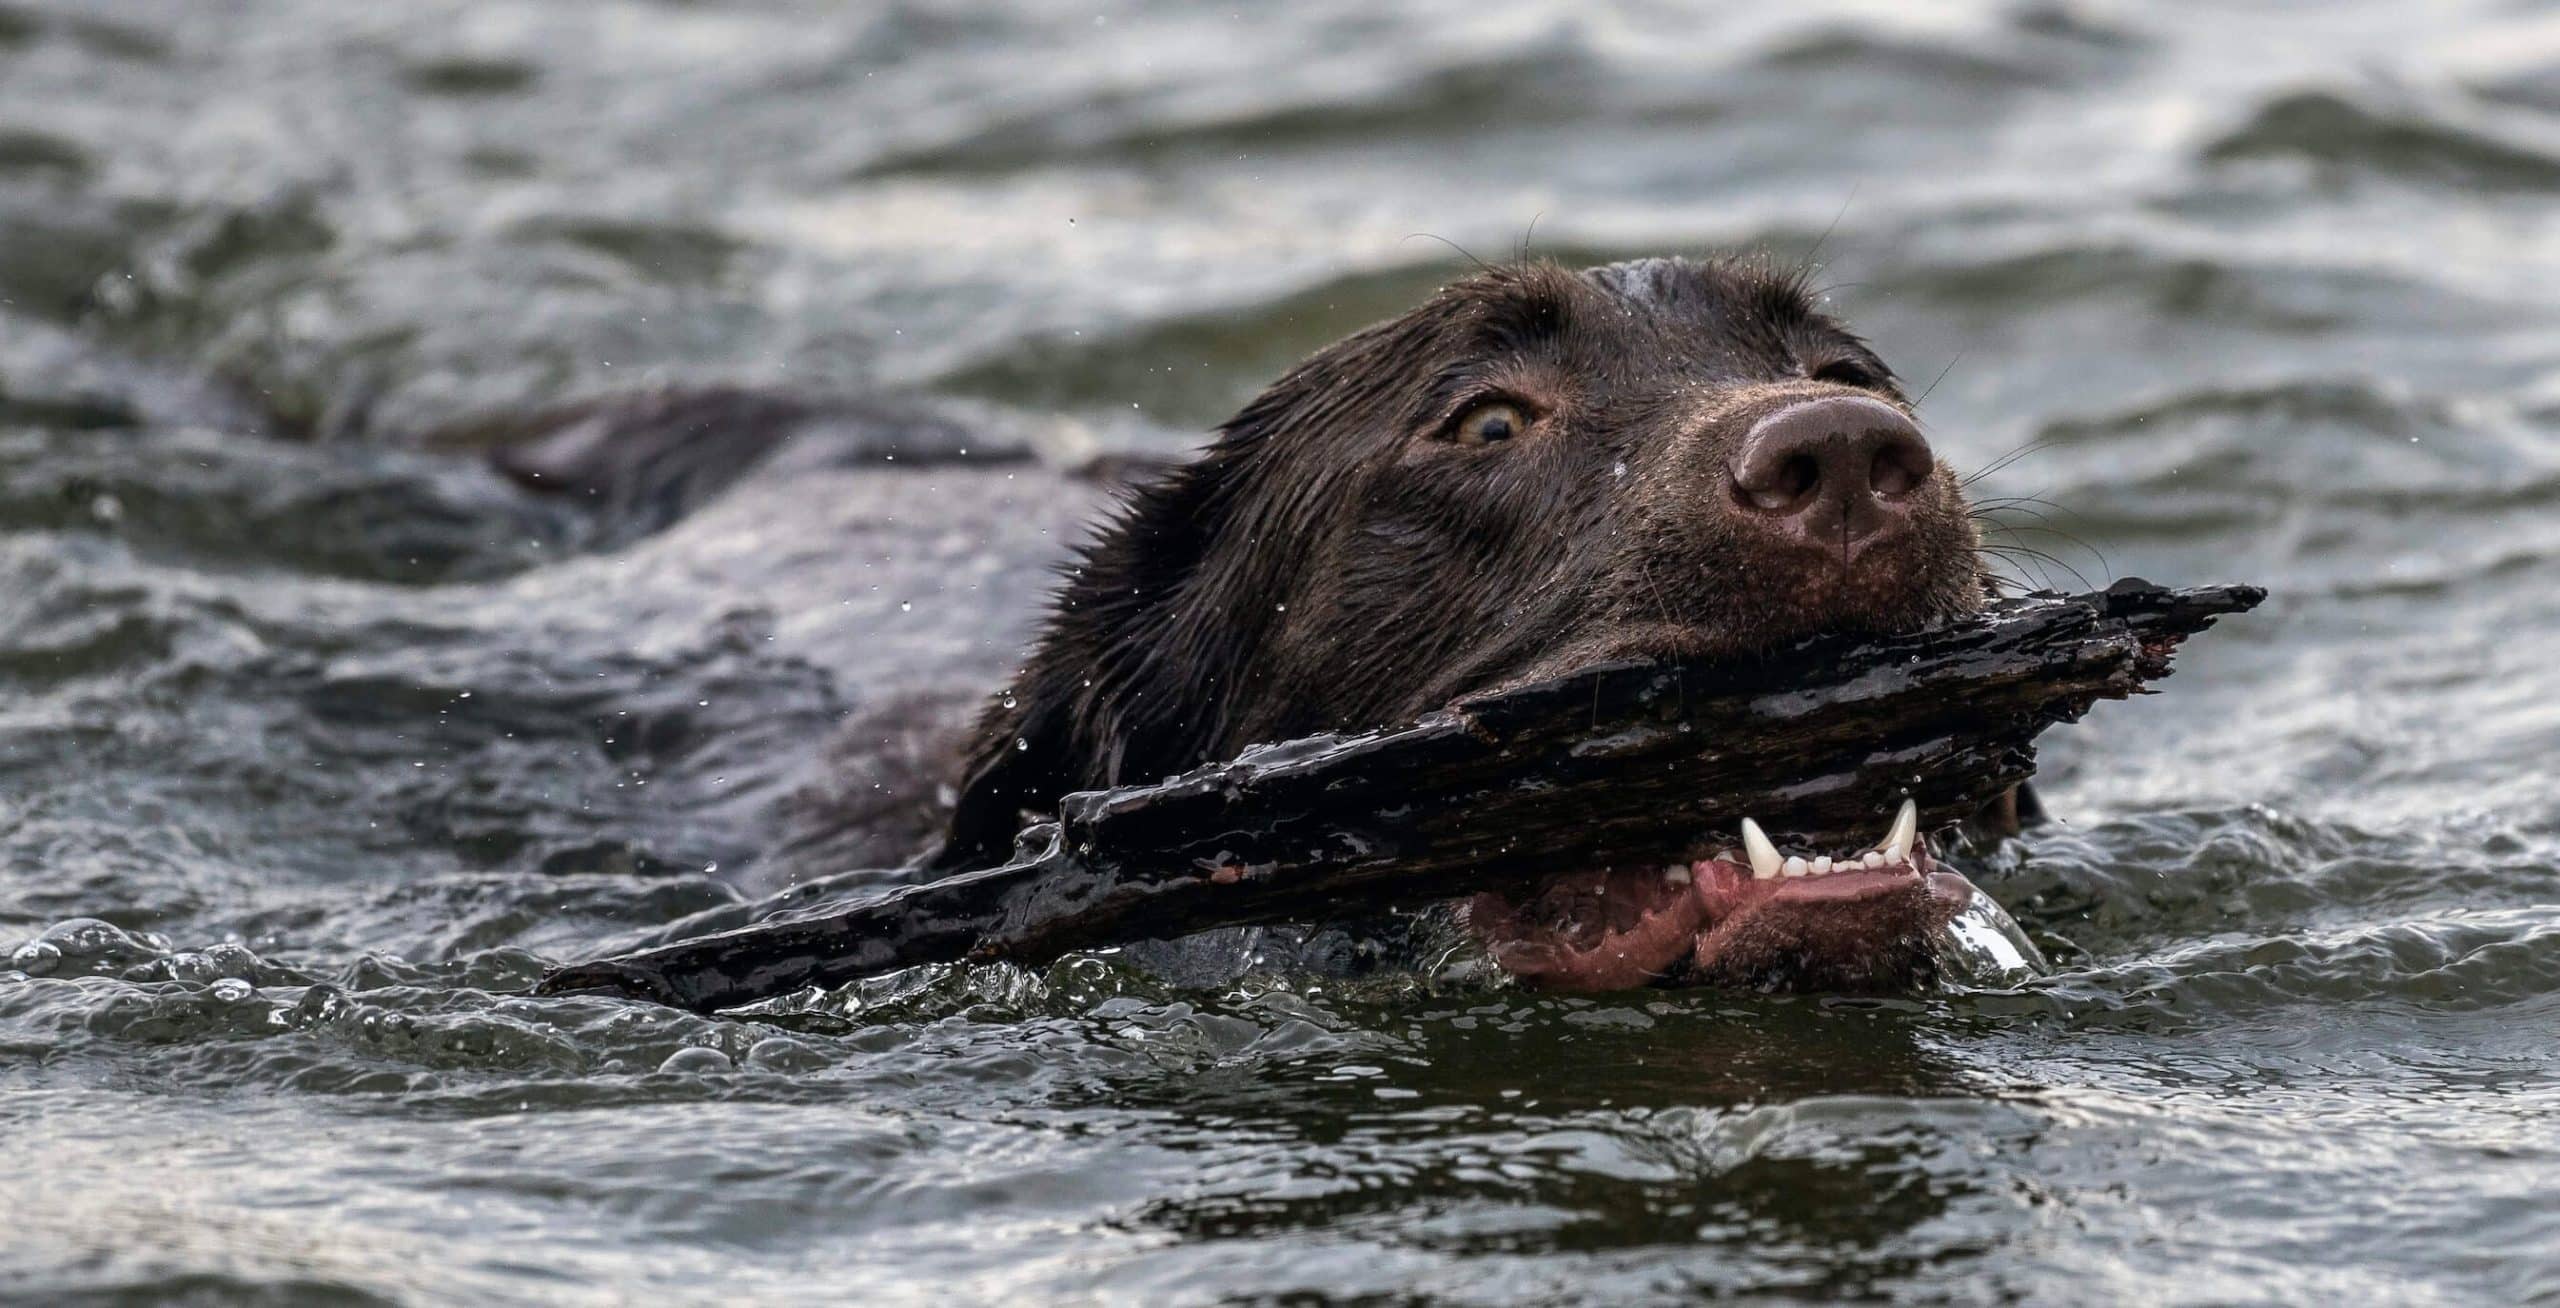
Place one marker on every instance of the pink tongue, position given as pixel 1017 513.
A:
pixel 1596 931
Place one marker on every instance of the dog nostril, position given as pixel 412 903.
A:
pixel 1898 468
pixel 1794 479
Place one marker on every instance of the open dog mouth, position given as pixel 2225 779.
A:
pixel 1754 917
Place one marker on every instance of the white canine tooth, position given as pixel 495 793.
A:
pixel 1874 858
pixel 1677 874
pixel 1794 867
pixel 1764 856
pixel 1822 866
pixel 1906 828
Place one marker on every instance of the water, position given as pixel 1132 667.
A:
pixel 344 738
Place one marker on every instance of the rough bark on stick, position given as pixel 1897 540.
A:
pixel 1614 764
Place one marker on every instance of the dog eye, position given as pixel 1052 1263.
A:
pixel 1489 423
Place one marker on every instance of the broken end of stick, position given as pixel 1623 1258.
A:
pixel 2132 596
pixel 2167 617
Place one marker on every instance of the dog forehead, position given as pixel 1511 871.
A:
pixel 1715 302
pixel 1651 284
pixel 1704 295
pixel 1719 321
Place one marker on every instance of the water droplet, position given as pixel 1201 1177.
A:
pixel 784 1054
pixel 906 606
pixel 1008 699
pixel 1021 745
pixel 696 1059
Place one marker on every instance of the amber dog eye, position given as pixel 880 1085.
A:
pixel 1488 424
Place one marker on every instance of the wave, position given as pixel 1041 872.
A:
pixel 2336 130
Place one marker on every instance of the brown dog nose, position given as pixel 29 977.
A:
pixel 1832 472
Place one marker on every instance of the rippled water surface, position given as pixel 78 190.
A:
pixel 317 740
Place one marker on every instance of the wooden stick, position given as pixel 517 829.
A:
pixel 1615 764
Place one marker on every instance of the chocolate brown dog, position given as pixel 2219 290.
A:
pixel 1534 470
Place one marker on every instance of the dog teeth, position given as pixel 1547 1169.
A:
pixel 1677 874
pixel 1905 830
pixel 1765 862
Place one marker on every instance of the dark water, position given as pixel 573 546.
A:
pixel 340 739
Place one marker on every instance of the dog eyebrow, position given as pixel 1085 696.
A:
pixel 1519 315
pixel 1782 298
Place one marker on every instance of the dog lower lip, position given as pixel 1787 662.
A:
pixel 1733 916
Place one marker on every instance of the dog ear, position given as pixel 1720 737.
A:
pixel 1121 685
pixel 1138 674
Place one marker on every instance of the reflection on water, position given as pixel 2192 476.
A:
pixel 317 740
